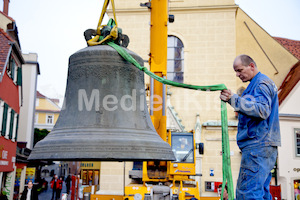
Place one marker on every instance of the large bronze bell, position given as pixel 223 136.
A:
pixel 105 116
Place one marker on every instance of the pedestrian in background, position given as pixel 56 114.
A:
pixel 55 185
pixel 29 193
pixel 59 186
pixel 258 130
pixel 68 183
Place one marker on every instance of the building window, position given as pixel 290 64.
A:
pixel 90 177
pixel 11 68
pixel 50 119
pixel 175 59
pixel 37 102
pixel 297 139
pixel 209 186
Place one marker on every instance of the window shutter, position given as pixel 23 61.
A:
pixel 11 67
pixel 19 76
pixel 3 130
pixel 11 127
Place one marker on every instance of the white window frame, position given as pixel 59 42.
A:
pixel 14 127
pixel 171 57
pixel 16 73
pixel 8 123
pixel 50 115
pixel 1 113
pixel 37 100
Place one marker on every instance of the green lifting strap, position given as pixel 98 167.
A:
pixel 226 165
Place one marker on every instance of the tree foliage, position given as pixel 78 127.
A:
pixel 39 135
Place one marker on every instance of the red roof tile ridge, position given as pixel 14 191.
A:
pixel 39 95
pixel 282 38
pixel 6 35
pixel 289 82
pixel 293 46
pixel 7 16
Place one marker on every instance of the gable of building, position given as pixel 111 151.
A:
pixel 4 20
pixel 45 104
pixel 46 112
pixel 289 92
pixel 288 86
pixel 270 56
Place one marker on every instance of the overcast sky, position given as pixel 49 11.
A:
pixel 54 30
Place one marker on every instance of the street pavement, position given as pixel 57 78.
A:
pixel 47 195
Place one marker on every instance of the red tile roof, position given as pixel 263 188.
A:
pixel 292 46
pixel 289 82
pixel 55 101
pixel 293 76
pixel 39 95
pixel 5 39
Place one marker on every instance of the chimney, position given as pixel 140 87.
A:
pixel 5 6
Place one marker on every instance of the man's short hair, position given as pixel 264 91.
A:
pixel 246 60
pixel 220 186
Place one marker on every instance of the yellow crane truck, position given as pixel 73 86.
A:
pixel 162 180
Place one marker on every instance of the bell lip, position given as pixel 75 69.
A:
pixel 102 160
pixel 38 155
pixel 46 156
pixel 33 157
pixel 150 148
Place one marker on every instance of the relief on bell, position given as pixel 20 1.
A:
pixel 105 115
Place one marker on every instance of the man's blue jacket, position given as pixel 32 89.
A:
pixel 258 113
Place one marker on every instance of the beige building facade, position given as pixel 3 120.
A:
pixel 213 33
pixel 46 112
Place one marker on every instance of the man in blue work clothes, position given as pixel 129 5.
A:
pixel 258 131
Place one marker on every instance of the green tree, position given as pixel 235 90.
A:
pixel 39 135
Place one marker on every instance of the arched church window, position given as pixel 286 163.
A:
pixel 175 60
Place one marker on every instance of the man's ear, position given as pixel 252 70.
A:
pixel 252 66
